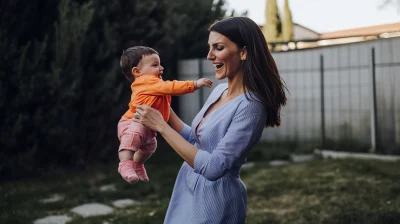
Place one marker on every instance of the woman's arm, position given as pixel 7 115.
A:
pixel 245 130
pixel 243 133
pixel 184 149
pixel 179 126
pixel 175 122
pixel 154 120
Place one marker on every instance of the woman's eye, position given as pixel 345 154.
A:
pixel 219 48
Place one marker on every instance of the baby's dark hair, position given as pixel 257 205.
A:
pixel 131 57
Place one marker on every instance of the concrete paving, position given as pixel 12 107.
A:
pixel 123 203
pixel 92 209
pixel 54 219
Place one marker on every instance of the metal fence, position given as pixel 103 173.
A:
pixel 345 92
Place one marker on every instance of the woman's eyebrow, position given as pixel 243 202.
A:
pixel 214 44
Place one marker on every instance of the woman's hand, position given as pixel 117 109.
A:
pixel 149 117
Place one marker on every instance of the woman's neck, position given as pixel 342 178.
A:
pixel 235 85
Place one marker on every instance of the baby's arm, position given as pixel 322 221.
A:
pixel 202 82
pixel 156 86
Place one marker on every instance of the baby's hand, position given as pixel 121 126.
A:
pixel 203 82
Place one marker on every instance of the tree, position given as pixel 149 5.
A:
pixel 273 26
pixel 43 80
pixel 287 24
pixel 61 88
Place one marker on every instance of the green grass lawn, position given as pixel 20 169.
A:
pixel 322 191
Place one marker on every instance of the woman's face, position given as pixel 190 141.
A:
pixel 225 56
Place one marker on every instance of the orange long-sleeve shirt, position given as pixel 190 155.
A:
pixel 156 93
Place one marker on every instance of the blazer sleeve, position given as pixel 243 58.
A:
pixel 187 134
pixel 243 133
pixel 157 86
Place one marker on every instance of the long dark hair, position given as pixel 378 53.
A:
pixel 261 75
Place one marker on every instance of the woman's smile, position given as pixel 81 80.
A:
pixel 218 66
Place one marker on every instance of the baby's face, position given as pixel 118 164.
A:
pixel 150 65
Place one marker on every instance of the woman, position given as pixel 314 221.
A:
pixel 208 188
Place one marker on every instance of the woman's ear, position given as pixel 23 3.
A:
pixel 243 53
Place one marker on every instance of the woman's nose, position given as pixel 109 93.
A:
pixel 210 56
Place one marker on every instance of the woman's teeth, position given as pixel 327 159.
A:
pixel 218 66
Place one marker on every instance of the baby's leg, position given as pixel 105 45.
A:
pixel 138 164
pixel 126 166
pixel 131 136
pixel 141 156
pixel 130 141
pixel 125 155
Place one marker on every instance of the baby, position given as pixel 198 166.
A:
pixel 141 66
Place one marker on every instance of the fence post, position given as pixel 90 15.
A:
pixel 323 134
pixel 374 118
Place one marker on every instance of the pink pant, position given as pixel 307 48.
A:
pixel 134 136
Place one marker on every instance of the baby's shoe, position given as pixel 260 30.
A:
pixel 125 168
pixel 140 171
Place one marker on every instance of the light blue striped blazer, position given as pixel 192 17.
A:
pixel 213 192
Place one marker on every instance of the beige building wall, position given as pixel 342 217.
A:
pixel 302 33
